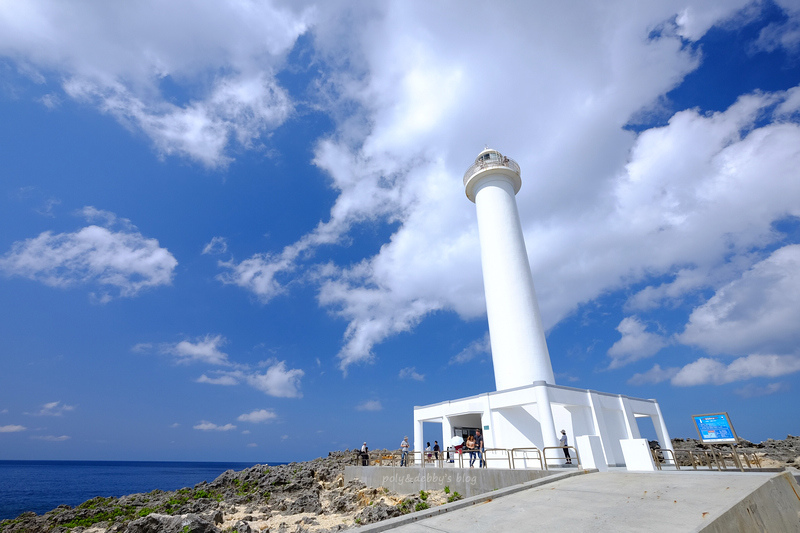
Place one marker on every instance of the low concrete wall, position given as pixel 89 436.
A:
pixel 466 481
pixel 774 506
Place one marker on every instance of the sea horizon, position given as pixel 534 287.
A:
pixel 42 485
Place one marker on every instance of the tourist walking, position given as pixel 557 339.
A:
pixel 404 446
pixel 563 441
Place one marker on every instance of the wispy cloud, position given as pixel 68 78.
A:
pixel 224 379
pixel 204 425
pixel 122 260
pixel 369 405
pixel 54 409
pixel 752 391
pixel 707 370
pixel 51 438
pixel 217 245
pixel 411 373
pixel 203 349
pixel 636 343
pixel 278 380
pixel 12 429
pixel 473 350
pixel 258 416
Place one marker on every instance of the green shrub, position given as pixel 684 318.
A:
pixel 423 495
pixel 421 506
pixel 447 489
pixel 454 497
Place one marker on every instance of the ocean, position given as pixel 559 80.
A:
pixel 41 486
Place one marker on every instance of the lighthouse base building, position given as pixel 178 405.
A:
pixel 528 410
pixel 534 415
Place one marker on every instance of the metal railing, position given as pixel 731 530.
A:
pixel 713 458
pixel 536 455
pixel 496 454
pixel 491 163
pixel 562 457
pixel 662 459
pixel 528 458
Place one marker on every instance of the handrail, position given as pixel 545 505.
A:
pixel 658 460
pixel 544 454
pixel 492 163
pixel 711 458
pixel 525 456
pixel 486 456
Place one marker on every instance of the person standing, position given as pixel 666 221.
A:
pixel 436 449
pixel 404 447
pixel 364 455
pixel 470 444
pixel 563 441
pixel 479 446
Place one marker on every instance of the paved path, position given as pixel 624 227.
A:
pixel 607 501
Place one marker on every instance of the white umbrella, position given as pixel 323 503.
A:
pixel 455 441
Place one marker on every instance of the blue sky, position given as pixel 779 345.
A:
pixel 237 230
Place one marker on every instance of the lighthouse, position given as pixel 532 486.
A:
pixel 519 349
pixel 528 410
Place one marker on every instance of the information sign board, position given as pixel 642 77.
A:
pixel 715 428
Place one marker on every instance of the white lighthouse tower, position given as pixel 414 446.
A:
pixel 528 409
pixel 519 348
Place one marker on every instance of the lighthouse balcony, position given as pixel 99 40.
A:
pixel 491 160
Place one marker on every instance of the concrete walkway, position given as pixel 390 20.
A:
pixel 621 502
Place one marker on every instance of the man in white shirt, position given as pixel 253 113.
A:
pixel 404 447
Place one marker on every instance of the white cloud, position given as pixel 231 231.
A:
pixel 601 207
pixel 11 428
pixel 752 391
pixel 51 438
pixel 54 409
pixel 121 56
pixel 369 405
pixel 258 415
pixel 124 260
pixel 277 381
pixel 706 370
pixel 636 343
pixel 414 97
pixel 785 34
pixel 217 245
pixel 473 350
pixel 411 373
pixel 205 350
pixel 224 379
pixel 756 313
pixel 654 375
pixel 204 425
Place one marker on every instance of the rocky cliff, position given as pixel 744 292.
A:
pixel 299 497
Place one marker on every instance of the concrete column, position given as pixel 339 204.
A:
pixel 631 426
pixel 419 438
pixel 662 434
pixel 549 431
pixel 601 428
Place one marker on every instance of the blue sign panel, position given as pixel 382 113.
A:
pixel 715 428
